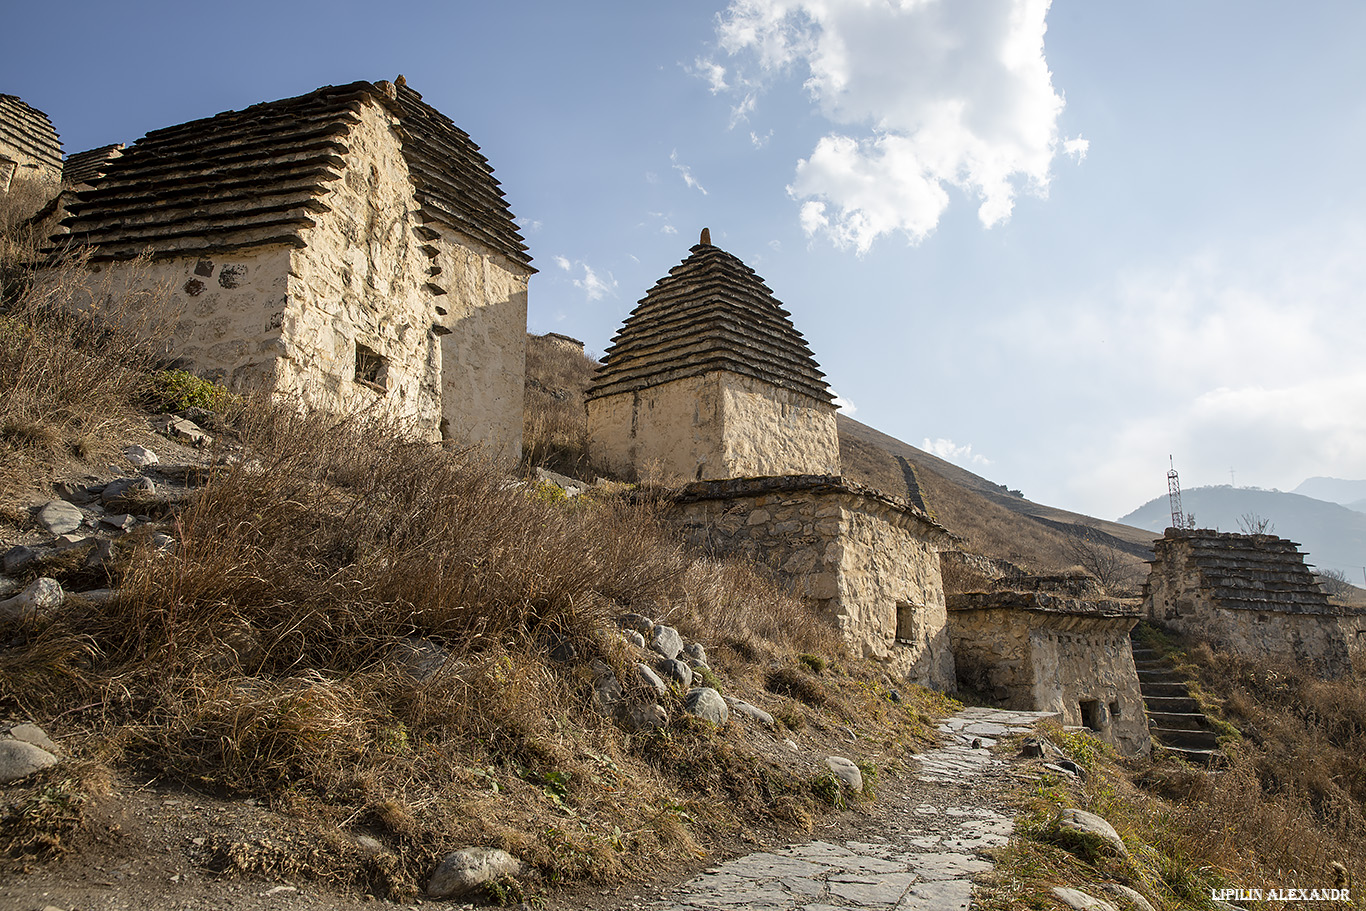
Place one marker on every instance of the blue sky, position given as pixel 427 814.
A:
pixel 1053 243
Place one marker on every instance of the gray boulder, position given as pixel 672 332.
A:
pixel 16 558
pixel 635 638
pixel 607 694
pixel 1080 901
pixel 846 771
pixel 752 712
pixel 463 871
pixel 1089 824
pixel 1135 898
pixel 695 652
pixel 707 704
pixel 140 456
pixel 19 759
pixel 666 641
pixel 73 492
pixel 31 733
pixel 651 679
pixel 127 487
pixel 675 670
pixel 42 596
pixel 60 517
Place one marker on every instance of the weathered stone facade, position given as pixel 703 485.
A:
pixel 866 561
pixel 1253 595
pixel 708 379
pixel 1042 652
pixel 30 158
pixel 349 247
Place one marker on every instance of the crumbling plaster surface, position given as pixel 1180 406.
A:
pixel 1044 660
pixel 711 427
pixel 853 557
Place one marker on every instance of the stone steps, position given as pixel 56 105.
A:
pixel 1174 717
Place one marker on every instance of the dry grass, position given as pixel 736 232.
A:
pixel 75 357
pixel 554 423
pixel 1284 808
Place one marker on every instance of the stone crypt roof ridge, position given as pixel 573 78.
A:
pixel 261 175
pixel 711 312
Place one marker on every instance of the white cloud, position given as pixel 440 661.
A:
pixel 925 95
pixel 594 286
pixel 953 452
pixel 843 404
pixel 686 172
pixel 713 72
pixel 759 141
pixel 668 229
pixel 1077 147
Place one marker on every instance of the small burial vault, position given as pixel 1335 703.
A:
pixel 710 389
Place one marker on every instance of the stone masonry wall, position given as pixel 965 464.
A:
pixel 358 282
pixel 770 430
pixel 481 320
pixel 854 558
pixel 712 427
pixel 670 432
pixel 1242 593
pixel 1043 660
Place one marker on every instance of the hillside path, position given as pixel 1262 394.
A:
pixel 924 859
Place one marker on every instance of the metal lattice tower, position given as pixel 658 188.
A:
pixel 1174 495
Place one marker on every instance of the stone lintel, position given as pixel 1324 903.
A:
pixel 1104 610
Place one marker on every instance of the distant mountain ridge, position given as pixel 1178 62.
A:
pixel 1332 535
pixel 1351 494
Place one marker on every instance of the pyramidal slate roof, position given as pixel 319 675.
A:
pixel 1251 572
pixel 29 130
pixel 711 312
pixel 260 175
pixel 90 165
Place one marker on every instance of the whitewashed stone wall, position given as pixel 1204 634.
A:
pixel 1041 653
pixel 712 427
pixel 852 553
pixel 26 183
pixel 293 319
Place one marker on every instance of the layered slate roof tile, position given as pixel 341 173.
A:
pixel 90 165
pixel 260 176
pixel 1252 572
pixel 30 131
pixel 711 312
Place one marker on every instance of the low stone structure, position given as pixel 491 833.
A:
pixel 30 158
pixel 349 247
pixel 1031 650
pixel 867 561
pixel 1253 595
pixel 709 379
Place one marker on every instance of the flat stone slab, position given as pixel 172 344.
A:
pixel 926 864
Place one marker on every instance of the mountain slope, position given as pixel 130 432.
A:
pixel 1333 536
pixel 993 521
pixel 1351 494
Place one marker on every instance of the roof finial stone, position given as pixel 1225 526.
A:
pixel 706 237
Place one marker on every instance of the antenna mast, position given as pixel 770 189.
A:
pixel 1174 495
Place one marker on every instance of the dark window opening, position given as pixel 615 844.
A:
pixel 907 622
pixel 1090 714
pixel 372 368
pixel 1114 710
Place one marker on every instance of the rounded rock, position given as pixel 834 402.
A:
pixel 1090 824
pixel 707 704
pixel 675 670
pixel 846 771
pixel 18 760
pixel 59 517
pixel 40 597
pixel 666 641
pixel 463 871
pixel 651 679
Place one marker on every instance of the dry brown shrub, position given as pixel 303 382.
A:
pixel 554 420
pixel 75 350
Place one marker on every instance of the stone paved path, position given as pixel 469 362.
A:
pixel 924 862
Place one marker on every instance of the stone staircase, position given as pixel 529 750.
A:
pixel 1174 717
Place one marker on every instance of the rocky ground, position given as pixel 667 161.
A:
pixel 916 848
